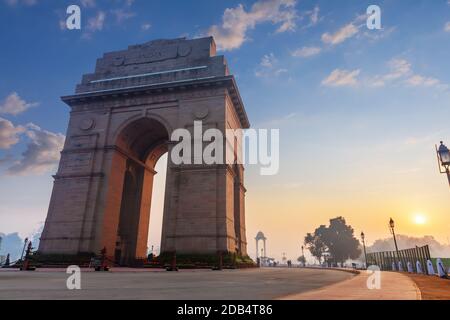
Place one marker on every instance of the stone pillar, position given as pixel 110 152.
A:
pixel 265 252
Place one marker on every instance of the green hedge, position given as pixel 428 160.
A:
pixel 205 260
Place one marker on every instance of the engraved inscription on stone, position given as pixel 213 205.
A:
pixel 155 55
pixel 79 142
pixel 76 163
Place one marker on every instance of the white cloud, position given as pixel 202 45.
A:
pixel 269 67
pixel 306 52
pixel 42 153
pixel 401 71
pixel 342 78
pixel 96 23
pixel 314 15
pixel 351 30
pixel 9 134
pixel 15 105
pixel 399 68
pixel 268 61
pixel 341 35
pixel 237 21
pixel 418 80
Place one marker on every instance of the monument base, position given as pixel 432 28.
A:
pixel 196 261
pixel 182 261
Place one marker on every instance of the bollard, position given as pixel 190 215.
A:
pixel 419 267
pixel 400 266
pixel 173 266
pixel 393 267
pixel 103 266
pixel 410 267
pixel 219 266
pixel 430 268
pixel 441 269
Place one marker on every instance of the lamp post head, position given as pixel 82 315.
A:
pixel 391 224
pixel 444 155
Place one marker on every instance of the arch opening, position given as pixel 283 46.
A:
pixel 141 144
pixel 157 208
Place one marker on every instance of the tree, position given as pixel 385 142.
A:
pixel 314 243
pixel 302 260
pixel 341 242
pixel 337 240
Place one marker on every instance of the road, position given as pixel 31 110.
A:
pixel 254 284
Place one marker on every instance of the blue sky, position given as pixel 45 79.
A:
pixel 359 110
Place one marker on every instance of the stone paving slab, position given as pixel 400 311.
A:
pixel 394 286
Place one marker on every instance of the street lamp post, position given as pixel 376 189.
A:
pixel 24 247
pixel 363 236
pixel 443 154
pixel 303 256
pixel 391 226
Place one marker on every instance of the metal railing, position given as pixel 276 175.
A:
pixel 384 260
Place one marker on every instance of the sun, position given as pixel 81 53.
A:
pixel 420 219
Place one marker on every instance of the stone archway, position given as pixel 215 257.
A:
pixel 122 117
pixel 142 142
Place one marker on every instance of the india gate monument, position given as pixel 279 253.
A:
pixel 121 121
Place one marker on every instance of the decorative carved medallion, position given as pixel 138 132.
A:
pixel 201 112
pixel 87 124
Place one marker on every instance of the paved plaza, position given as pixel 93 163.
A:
pixel 184 285
pixel 254 284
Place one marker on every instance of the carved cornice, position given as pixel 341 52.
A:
pixel 227 82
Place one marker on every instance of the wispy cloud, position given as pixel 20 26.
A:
pixel 342 78
pixel 94 24
pixel 14 105
pixel 88 3
pixel 306 52
pixel 341 35
pixel 9 134
pixel 351 30
pixel 236 22
pixel 401 71
pixel 269 67
pixel 122 15
pixel 314 15
pixel 42 153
